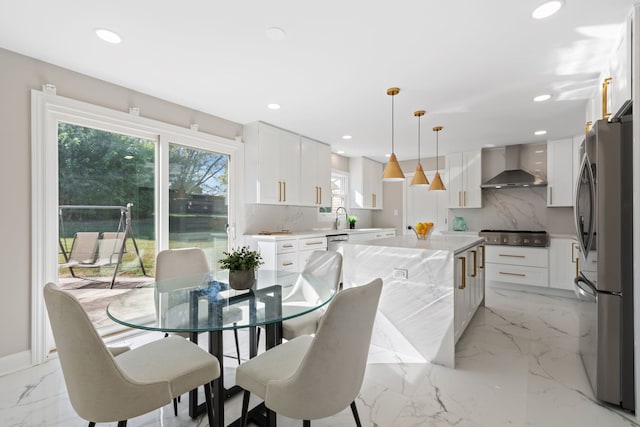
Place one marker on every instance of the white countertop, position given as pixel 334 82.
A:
pixel 315 233
pixel 445 242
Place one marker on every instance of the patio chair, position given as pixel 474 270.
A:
pixel 83 250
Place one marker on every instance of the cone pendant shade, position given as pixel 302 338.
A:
pixel 437 183
pixel 419 178
pixel 393 172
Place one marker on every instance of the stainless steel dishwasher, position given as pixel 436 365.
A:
pixel 335 243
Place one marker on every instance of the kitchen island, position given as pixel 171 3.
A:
pixel 432 288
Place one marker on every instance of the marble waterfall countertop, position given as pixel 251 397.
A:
pixel 444 242
pixel 415 320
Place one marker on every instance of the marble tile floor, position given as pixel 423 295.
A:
pixel 517 365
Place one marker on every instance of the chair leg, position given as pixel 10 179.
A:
pixel 209 402
pixel 271 418
pixel 306 423
pixel 235 334
pixel 92 424
pixel 175 406
pixel 245 408
pixel 122 423
pixel 355 413
pixel 258 338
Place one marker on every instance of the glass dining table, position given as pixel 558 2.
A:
pixel 196 304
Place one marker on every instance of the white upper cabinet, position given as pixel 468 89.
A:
pixel 563 162
pixel 619 88
pixel 315 173
pixel 465 177
pixel 560 173
pixel 272 164
pixel 366 183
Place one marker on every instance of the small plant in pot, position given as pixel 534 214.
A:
pixel 242 264
pixel 352 221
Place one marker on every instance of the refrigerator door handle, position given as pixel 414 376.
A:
pixel 587 291
pixel 585 237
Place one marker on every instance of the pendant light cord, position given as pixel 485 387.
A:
pixel 392 131
pixel 419 119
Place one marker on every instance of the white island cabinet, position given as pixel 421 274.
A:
pixel 432 288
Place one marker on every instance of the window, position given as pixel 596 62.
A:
pixel 339 190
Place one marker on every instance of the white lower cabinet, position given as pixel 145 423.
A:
pixel 564 262
pixel 517 264
pixel 308 246
pixel 469 282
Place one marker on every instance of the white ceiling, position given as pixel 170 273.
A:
pixel 473 65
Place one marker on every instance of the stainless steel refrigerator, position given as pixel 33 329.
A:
pixel 604 219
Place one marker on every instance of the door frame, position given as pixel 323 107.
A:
pixel 47 109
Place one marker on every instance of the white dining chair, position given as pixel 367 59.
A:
pixel 323 266
pixel 309 377
pixel 186 267
pixel 104 387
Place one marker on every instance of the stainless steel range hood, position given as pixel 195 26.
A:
pixel 513 175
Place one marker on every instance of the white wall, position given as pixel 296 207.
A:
pixel 18 75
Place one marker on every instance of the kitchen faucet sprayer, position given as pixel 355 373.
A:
pixel 346 217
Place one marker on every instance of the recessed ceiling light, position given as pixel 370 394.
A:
pixel 276 34
pixel 108 36
pixel 340 152
pixel 540 132
pixel 346 136
pixel 547 9
pixel 541 98
pixel 490 145
pixel 387 155
pixel 273 106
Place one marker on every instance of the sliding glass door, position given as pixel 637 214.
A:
pixel 198 200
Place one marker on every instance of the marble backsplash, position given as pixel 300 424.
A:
pixel 517 209
pixel 295 218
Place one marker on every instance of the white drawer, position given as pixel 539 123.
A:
pixel 284 246
pixel 517 255
pixel 312 243
pixel 287 262
pixel 533 276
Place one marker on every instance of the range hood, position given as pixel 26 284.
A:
pixel 513 175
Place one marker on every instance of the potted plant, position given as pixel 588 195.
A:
pixel 352 221
pixel 242 264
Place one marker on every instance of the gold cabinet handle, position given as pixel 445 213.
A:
pixel 605 97
pixel 587 126
pixel 287 264
pixel 512 274
pixel 288 245
pixel 465 197
pixel 551 195
pixel 463 272
pixel 317 195
pixel 512 256
pixel 279 191
pixel 577 267
pixel 483 250
pixel 284 192
pixel 459 198
pixel 475 263
pixel 313 243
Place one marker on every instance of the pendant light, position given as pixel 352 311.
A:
pixel 419 178
pixel 392 171
pixel 437 183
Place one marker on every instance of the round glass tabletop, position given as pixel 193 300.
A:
pixel 204 303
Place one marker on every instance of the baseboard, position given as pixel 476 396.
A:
pixel 15 362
